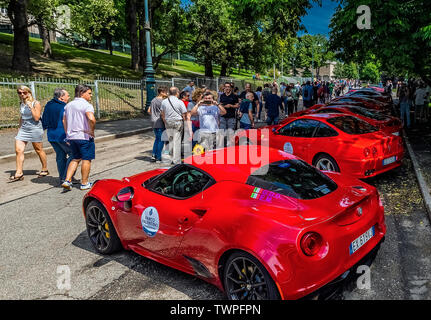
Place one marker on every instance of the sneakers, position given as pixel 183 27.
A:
pixel 67 185
pixel 86 186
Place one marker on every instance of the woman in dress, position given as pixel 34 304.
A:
pixel 30 130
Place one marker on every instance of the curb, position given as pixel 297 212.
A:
pixel 423 186
pixel 49 150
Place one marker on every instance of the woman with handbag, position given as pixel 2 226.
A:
pixel 30 130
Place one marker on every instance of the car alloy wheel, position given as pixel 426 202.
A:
pixel 100 230
pixel 325 164
pixel 246 279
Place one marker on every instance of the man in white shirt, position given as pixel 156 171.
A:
pixel 173 112
pixel 79 123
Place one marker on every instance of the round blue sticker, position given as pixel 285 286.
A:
pixel 288 148
pixel 150 221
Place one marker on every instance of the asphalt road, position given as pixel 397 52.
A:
pixel 44 237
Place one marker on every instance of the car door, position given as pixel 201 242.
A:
pixel 295 137
pixel 167 208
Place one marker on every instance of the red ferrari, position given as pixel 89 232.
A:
pixel 363 102
pixel 276 228
pixel 332 142
pixel 370 93
pixel 387 124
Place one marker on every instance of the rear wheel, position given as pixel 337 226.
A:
pixel 245 278
pixel 325 162
pixel 100 229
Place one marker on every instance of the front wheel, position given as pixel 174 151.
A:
pixel 245 278
pixel 100 229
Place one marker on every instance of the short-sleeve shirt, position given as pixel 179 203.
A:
pixel 208 118
pixel 175 111
pixel 255 99
pixel 245 118
pixel 156 119
pixel 76 119
pixel 229 99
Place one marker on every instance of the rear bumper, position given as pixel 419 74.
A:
pixel 336 286
pixel 367 168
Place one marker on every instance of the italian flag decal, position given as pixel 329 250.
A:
pixel 256 193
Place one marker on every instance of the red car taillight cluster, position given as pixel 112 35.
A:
pixel 369 151
pixel 311 243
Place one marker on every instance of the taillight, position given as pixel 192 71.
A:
pixel 311 243
pixel 367 152
pixel 374 150
pixel 125 194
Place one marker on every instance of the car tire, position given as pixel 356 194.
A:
pixel 245 278
pixel 323 161
pixel 100 229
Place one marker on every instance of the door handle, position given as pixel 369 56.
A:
pixel 199 211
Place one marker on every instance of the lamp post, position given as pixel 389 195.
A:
pixel 149 70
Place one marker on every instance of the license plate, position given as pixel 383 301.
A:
pixel 389 160
pixel 361 240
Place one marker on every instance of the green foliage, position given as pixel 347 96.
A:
pixel 399 38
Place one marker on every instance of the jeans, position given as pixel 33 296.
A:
pixel 63 156
pixel 158 143
pixel 272 120
pixel 227 123
pixel 244 125
pixel 405 111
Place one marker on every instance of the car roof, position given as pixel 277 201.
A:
pixel 236 163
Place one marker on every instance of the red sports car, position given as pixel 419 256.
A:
pixel 333 142
pixel 363 102
pixel 370 93
pixel 387 124
pixel 276 228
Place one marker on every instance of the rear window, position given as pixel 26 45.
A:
pixel 292 178
pixel 369 114
pixel 352 125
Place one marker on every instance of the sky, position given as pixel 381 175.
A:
pixel 318 18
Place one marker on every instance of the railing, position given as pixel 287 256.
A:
pixel 112 98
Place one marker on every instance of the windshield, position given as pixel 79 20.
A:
pixel 352 125
pixel 292 178
pixel 369 114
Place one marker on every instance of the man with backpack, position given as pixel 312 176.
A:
pixel 307 95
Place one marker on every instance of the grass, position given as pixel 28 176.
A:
pixel 86 64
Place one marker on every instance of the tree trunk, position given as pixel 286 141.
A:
pixel 223 71
pixel 17 12
pixel 208 67
pixel 46 42
pixel 108 40
pixel 133 32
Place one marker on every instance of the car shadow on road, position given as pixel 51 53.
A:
pixel 155 272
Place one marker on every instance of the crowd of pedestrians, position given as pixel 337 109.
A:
pixel 413 96
pixel 193 115
pixel 70 130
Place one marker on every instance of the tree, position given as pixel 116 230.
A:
pixel 399 37
pixel 17 13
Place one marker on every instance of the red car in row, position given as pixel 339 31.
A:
pixel 387 124
pixel 274 229
pixel 332 142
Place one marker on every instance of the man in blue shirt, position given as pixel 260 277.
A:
pixel 307 95
pixel 273 106
pixel 52 121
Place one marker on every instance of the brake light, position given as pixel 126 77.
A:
pixel 125 194
pixel 367 152
pixel 374 151
pixel 311 243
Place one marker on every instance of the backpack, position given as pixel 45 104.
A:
pixel 305 92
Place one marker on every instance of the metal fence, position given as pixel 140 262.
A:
pixel 112 98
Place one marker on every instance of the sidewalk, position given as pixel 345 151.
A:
pixel 104 131
pixel 419 144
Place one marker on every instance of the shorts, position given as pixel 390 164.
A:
pixel 83 149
